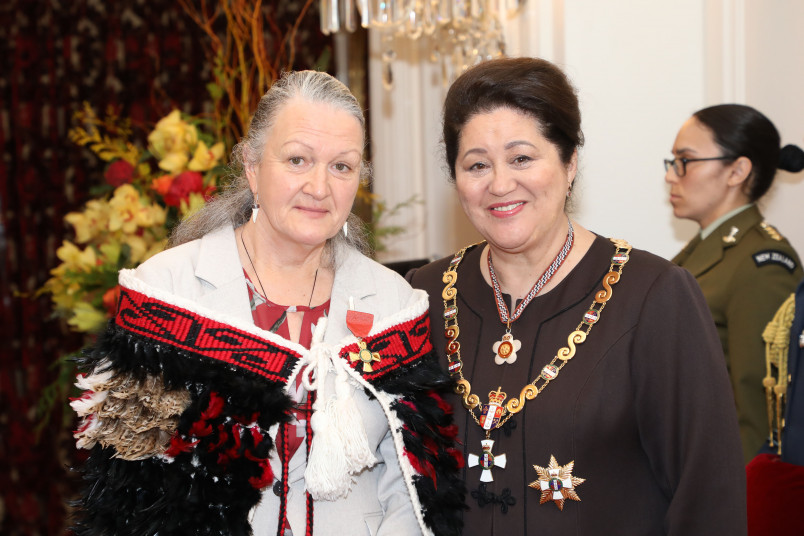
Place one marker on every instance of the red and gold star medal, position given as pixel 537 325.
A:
pixel 557 483
pixel 360 325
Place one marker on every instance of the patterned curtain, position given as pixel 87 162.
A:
pixel 142 57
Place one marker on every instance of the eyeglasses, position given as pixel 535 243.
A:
pixel 679 165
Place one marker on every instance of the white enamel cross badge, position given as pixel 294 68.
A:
pixel 486 460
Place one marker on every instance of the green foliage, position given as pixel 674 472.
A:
pixel 376 231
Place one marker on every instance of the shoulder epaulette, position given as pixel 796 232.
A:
pixel 771 230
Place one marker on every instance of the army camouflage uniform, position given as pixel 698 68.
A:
pixel 746 269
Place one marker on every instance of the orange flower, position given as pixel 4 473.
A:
pixel 110 298
pixel 162 184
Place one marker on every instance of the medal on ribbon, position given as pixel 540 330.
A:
pixel 506 348
pixel 359 324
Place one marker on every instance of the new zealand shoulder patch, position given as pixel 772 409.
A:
pixel 772 256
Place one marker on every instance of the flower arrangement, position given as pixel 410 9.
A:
pixel 146 191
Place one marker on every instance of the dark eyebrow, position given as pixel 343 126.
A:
pixel 477 150
pixel 507 146
pixel 683 150
pixel 512 144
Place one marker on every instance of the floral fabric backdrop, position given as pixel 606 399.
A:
pixel 144 57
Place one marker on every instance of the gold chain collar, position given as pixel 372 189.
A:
pixel 550 371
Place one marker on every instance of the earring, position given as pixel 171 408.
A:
pixel 345 229
pixel 255 208
pixel 569 190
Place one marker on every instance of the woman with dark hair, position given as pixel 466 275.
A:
pixel 724 160
pixel 262 376
pixel 590 392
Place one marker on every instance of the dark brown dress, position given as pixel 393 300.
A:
pixel 644 409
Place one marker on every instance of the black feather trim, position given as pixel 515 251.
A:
pixel 429 438
pixel 217 459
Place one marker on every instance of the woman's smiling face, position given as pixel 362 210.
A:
pixel 510 179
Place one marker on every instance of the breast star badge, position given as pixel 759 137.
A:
pixel 557 483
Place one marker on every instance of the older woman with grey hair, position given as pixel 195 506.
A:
pixel 262 374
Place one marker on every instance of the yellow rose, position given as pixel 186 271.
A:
pixel 76 259
pixel 205 158
pixel 172 140
pixel 174 162
pixel 125 206
pixel 91 222
pixel 150 215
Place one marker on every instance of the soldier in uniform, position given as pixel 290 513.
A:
pixel 725 159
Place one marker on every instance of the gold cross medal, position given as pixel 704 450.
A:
pixel 487 460
pixel 365 355
pixel 360 325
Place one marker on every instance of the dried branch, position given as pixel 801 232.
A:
pixel 243 65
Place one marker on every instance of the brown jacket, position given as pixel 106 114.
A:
pixel 644 409
pixel 745 270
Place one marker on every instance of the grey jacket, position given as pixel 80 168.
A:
pixel 381 500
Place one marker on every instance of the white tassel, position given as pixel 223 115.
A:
pixel 339 447
pixel 327 475
pixel 349 424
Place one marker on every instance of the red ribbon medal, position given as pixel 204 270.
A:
pixel 359 323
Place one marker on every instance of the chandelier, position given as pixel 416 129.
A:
pixel 461 32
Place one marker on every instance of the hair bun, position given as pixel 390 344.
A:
pixel 791 158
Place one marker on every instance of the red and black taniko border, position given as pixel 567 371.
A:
pixel 197 334
pixel 398 346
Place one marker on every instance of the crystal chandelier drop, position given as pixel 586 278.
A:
pixel 461 32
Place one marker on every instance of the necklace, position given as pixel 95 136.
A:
pixel 315 277
pixel 505 349
pixel 497 412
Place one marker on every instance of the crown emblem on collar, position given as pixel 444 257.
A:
pixel 731 237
